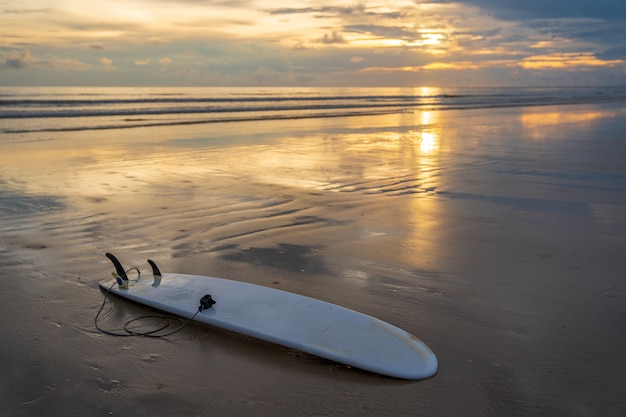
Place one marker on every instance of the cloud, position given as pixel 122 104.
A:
pixel 334 37
pixel 320 11
pixel 618 52
pixel 567 61
pixel 24 59
pixel 27 11
pixel 243 42
pixel 531 9
pixel 17 59
pixel 72 64
pixel 107 63
pixel 357 10
pixel 384 32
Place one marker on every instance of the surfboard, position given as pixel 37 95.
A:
pixel 292 320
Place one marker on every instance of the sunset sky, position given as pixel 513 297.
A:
pixel 312 43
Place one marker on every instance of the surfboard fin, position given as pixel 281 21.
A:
pixel 155 273
pixel 120 274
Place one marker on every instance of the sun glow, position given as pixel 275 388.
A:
pixel 427 92
pixel 566 60
pixel 429 38
pixel 449 65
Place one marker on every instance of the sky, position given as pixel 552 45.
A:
pixel 313 43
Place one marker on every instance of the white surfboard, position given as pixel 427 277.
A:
pixel 295 321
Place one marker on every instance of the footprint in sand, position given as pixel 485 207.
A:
pixel 109 387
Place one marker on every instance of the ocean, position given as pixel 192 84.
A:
pixel 45 109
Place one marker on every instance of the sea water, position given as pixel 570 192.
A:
pixel 34 109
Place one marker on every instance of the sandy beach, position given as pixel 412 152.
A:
pixel 497 236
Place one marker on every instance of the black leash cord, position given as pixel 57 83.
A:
pixel 150 333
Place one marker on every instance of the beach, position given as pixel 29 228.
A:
pixel 495 235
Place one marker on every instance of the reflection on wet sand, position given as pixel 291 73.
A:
pixel 537 123
pixel 424 222
pixel 227 198
pixel 534 119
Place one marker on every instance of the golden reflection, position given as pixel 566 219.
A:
pixel 429 142
pixel 428 92
pixel 427 117
pixel 533 120
pixel 530 120
pixel 388 176
pixel 428 137
pixel 422 248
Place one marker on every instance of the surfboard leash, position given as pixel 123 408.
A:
pixel 205 302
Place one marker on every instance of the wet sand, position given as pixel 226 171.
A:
pixel 496 236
